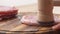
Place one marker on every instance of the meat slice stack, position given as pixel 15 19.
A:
pixel 7 12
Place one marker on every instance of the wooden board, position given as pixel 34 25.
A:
pixel 14 26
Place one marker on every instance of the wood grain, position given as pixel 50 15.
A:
pixel 14 26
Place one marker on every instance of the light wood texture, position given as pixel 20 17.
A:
pixel 14 26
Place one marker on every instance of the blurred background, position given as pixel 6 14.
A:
pixel 26 6
pixel 17 2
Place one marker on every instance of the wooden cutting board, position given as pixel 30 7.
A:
pixel 14 26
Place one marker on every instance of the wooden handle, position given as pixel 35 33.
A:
pixel 45 8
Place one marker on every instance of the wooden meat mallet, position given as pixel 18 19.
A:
pixel 45 14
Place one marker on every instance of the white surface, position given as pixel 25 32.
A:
pixel 56 10
pixel 16 2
